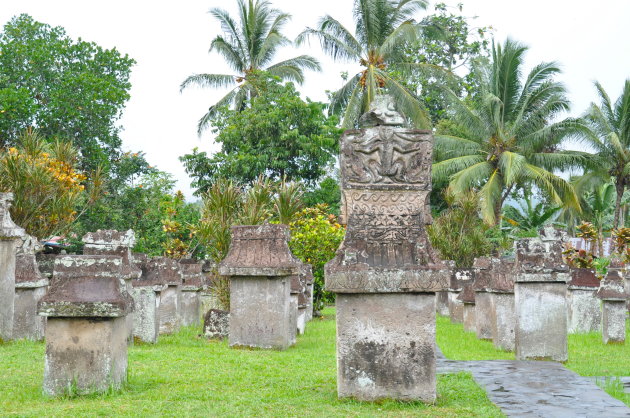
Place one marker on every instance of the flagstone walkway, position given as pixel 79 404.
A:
pixel 538 389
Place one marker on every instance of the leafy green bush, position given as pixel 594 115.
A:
pixel 315 237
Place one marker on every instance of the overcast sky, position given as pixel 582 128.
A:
pixel 170 41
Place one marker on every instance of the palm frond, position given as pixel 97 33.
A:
pixel 208 80
pixel 443 170
pixel 489 196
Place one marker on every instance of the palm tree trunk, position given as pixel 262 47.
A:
pixel 620 188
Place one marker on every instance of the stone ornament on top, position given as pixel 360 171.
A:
pixel 8 228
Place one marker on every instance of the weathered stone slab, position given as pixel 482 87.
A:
pixel 467 297
pixel 164 275
pixel 86 332
pixel 192 282
pixel 216 324
pixel 9 235
pixel 147 294
pixel 441 303
pixel 584 308
pixel 483 315
pixel 393 357
pixel 459 278
pixel 501 289
pixel 613 296
pixel 261 268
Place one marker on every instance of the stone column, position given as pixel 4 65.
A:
pixel 467 297
pixel 30 287
pixel 9 236
pixel 584 308
pixel 86 335
pixel 613 296
pixel 385 273
pixel 261 268
pixel 483 300
pixel 441 303
pixel 118 243
pixel 147 292
pixel 168 273
pixel 501 291
pixel 541 297
pixel 456 306
pixel 192 281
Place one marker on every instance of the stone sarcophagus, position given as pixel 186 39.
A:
pixel 192 282
pixel 386 273
pixel 261 268
pixel 30 287
pixel 613 295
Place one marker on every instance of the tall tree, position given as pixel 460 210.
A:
pixel 381 28
pixel 249 46
pixel 508 139
pixel 609 135
pixel 72 89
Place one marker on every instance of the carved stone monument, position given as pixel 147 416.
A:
pixel 86 333
pixel 541 297
pixel 613 295
pixel 501 290
pixel 584 310
pixel 261 267
pixel 483 300
pixel 30 287
pixel 147 295
pixel 459 277
pixel 467 296
pixel 386 273
pixel 10 234
pixel 192 282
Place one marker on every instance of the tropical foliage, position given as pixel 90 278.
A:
pixel 508 138
pixel 249 46
pixel 529 216
pixel 381 27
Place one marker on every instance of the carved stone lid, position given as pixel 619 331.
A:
pixel 612 288
pixel 46 263
pixel 583 277
pixel 8 228
pixel 483 273
pixel 159 271
pixel 382 112
pixel 540 259
pixel 85 286
pixel 467 295
pixel 259 250
pixel 502 275
pixel 27 274
pixel 460 277
pixel 111 242
pixel 192 276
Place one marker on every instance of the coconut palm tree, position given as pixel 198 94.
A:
pixel 609 135
pixel 381 27
pixel 529 216
pixel 249 46
pixel 507 139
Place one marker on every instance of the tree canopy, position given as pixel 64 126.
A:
pixel 64 88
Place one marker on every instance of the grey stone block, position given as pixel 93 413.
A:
pixel 483 315
pixel 503 320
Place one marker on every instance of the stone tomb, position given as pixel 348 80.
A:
pixel 483 299
pixel 261 268
pixel 541 297
pixel 119 243
pixel 30 287
pixel 459 277
pixel 166 271
pixel 467 297
pixel 584 308
pixel 386 273
pixel 86 334
pixel 10 235
pixel 147 294
pixel 303 295
pixel 613 296
pixel 192 282
pixel 503 315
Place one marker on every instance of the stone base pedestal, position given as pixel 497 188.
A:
pixel 584 311
pixel 386 346
pixel 261 312
pixel 26 323
pixel 146 323
pixel 503 320
pixel 470 321
pixel 168 311
pixel 614 322
pixel 455 307
pixel 85 355
pixel 541 324
pixel 301 320
pixel 216 324
pixel 483 315
pixel 189 307
pixel 441 303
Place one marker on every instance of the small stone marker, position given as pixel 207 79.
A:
pixel 30 287
pixel 441 302
pixel 483 300
pixel 455 306
pixel 584 308
pixel 386 273
pixel 501 290
pixel 119 243
pixel 261 267
pixel 147 294
pixel 541 297
pixel 192 282
pixel 86 334
pixel 10 233
pixel 216 324
pixel 613 296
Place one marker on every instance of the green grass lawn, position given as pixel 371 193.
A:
pixel 184 375
pixel 588 356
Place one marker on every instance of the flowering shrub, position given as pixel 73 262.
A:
pixel 46 185
pixel 315 237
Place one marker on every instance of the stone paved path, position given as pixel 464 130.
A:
pixel 538 389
